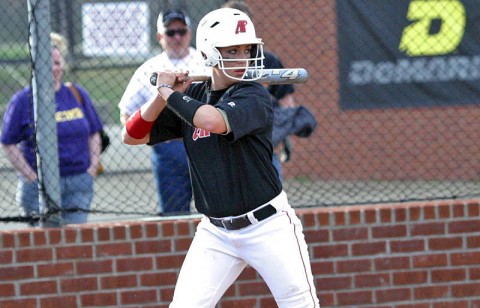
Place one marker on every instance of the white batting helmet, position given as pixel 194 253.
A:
pixel 229 27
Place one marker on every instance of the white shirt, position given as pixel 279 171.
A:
pixel 139 89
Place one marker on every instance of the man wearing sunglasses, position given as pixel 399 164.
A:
pixel 169 160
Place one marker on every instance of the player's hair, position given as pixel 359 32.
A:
pixel 239 5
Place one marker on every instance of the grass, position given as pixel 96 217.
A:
pixel 14 51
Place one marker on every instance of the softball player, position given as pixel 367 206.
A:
pixel 226 124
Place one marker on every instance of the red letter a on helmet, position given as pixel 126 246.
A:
pixel 241 27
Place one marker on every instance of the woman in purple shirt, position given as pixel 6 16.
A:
pixel 78 127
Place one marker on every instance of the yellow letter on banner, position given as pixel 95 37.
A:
pixel 416 39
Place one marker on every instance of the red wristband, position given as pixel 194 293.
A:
pixel 137 127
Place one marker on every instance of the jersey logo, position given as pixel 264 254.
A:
pixel 241 27
pixel 231 104
pixel 69 115
pixel 200 133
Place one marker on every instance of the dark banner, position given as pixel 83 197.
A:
pixel 400 53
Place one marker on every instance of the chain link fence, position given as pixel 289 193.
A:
pixel 393 86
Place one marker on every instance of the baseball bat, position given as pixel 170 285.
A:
pixel 269 76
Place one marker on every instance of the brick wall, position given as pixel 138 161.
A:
pixel 400 255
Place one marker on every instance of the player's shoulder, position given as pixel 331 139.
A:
pixel 249 89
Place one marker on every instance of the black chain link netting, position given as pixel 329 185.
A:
pixel 394 88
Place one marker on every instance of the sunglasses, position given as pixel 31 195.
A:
pixel 172 32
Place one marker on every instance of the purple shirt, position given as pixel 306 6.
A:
pixel 75 124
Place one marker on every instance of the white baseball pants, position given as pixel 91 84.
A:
pixel 274 247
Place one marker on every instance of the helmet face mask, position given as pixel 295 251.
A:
pixel 230 27
pixel 254 64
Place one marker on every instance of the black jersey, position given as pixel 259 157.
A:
pixel 231 174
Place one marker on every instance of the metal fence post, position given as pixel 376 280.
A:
pixel 44 110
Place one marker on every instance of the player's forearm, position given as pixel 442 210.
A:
pixel 152 109
pixel 138 125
